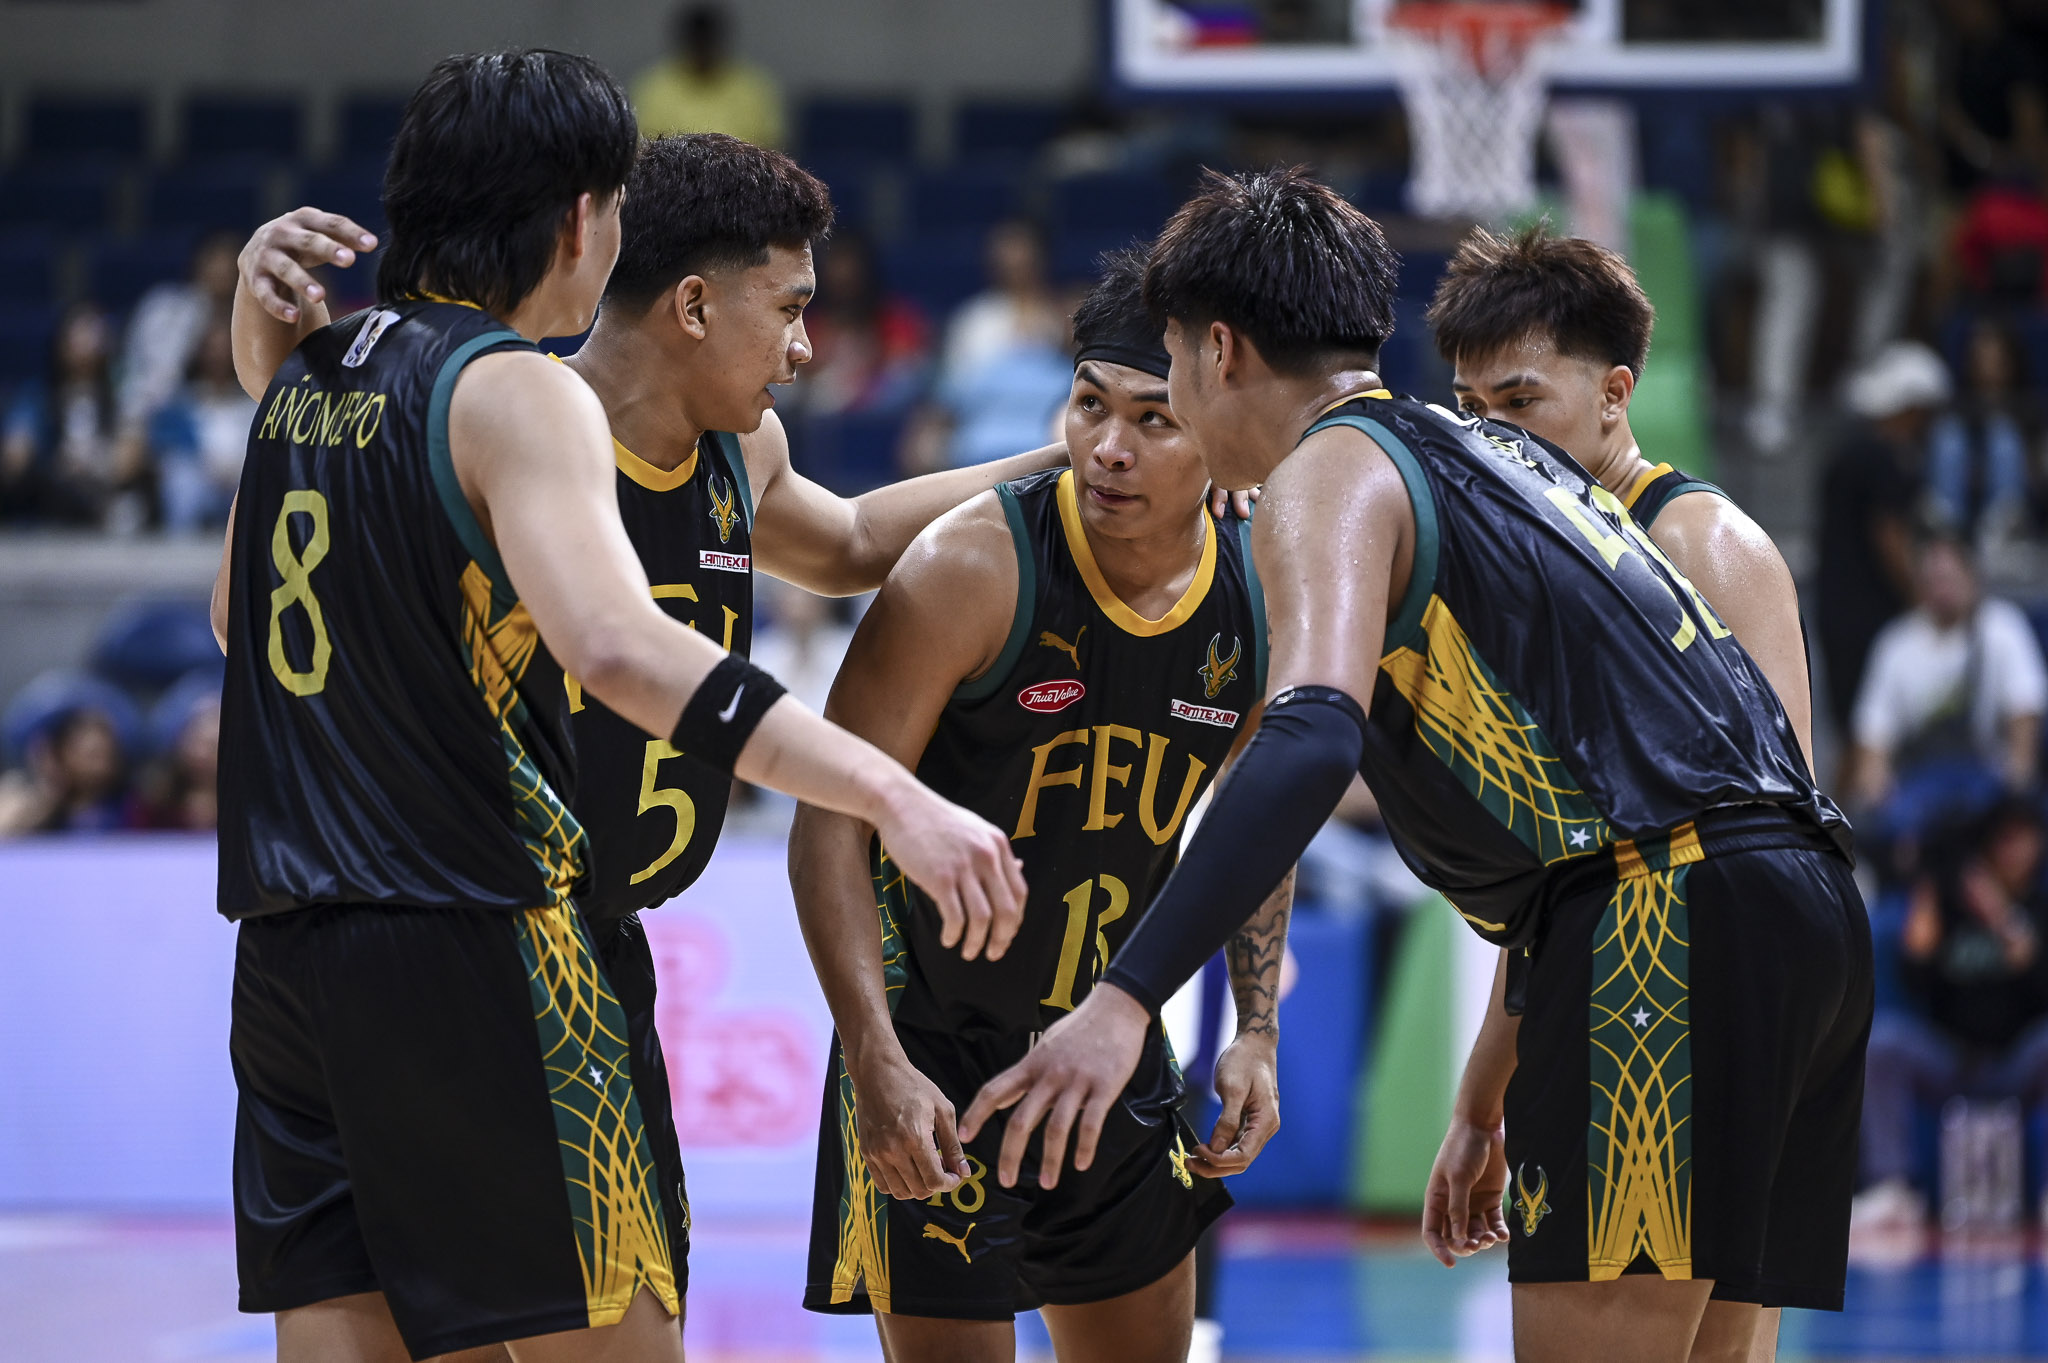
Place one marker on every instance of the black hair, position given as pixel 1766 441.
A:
pixel 698 202
pixel 1281 258
pixel 1500 289
pixel 491 155
pixel 1113 321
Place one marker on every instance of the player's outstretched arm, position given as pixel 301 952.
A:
pixel 837 546
pixel 278 303
pixel 1744 578
pixel 1333 540
pixel 940 619
pixel 1461 1208
pixel 533 455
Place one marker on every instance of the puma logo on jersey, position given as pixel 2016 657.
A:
pixel 1177 1158
pixel 1220 671
pixel 959 1242
pixel 724 508
pixel 1531 1203
pixel 1047 639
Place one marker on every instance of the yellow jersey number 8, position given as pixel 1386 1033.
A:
pixel 297 590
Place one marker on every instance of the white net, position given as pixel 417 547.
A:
pixel 1475 103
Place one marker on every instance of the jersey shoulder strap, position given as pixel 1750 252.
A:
pixel 1257 593
pixel 1026 609
pixel 441 460
pixel 728 446
pixel 1654 489
pixel 1404 619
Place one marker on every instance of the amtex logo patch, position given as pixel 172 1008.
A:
pixel 1051 697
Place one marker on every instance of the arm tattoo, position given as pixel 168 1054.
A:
pixel 1254 956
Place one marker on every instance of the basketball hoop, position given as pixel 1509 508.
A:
pixel 1472 79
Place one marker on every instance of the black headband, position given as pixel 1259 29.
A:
pixel 1145 359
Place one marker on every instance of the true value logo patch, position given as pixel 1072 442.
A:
pixel 1203 714
pixel 1050 697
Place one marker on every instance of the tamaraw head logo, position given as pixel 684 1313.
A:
pixel 1530 1203
pixel 1220 671
pixel 724 511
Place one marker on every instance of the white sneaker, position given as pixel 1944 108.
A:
pixel 1890 1205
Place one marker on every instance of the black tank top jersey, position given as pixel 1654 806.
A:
pixel 1552 688
pixel 1088 741
pixel 393 730
pixel 652 813
pixel 1654 489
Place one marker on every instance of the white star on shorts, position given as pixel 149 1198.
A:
pixel 597 1076
pixel 1580 837
pixel 1641 1017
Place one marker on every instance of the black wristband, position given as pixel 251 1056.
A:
pixel 724 711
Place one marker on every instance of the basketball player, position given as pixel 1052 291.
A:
pixel 1551 334
pixel 1568 742
pixel 702 313
pixel 438 1144
pixel 1073 655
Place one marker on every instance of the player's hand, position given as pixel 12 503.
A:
pixel 1461 1212
pixel 277 262
pixel 906 1129
pixel 1226 503
pixel 1077 1072
pixel 964 863
pixel 1248 1086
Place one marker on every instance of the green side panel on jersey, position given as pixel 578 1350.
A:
pixel 728 446
pixel 1027 604
pixel 1403 1098
pixel 1261 643
pixel 893 903
pixel 1406 621
pixel 442 463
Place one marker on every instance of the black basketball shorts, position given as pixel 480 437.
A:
pixel 1690 1071
pixel 437 1104
pixel 986 1252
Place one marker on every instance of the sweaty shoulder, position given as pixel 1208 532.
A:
pixel 958 580
pixel 1709 537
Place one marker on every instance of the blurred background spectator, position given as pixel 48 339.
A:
pixel 1977 464
pixel 75 778
pixel 702 88
pixel 870 347
pixel 199 434
pixel 62 459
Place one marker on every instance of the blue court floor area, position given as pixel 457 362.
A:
pixel 77 1289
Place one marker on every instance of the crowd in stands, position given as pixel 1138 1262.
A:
pixel 1873 291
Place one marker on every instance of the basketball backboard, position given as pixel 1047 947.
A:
pixel 1281 47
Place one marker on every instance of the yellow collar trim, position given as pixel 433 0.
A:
pixel 1642 484
pixel 640 471
pixel 442 298
pixel 1353 397
pixel 1112 605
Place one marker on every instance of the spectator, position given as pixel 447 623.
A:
pixel 74 781
pixel 1003 372
pixel 1959 676
pixel 869 347
pixel 199 436
pixel 1991 113
pixel 1977 452
pixel 1976 980
pixel 1869 494
pixel 167 328
pixel 60 458
pixel 700 88
pixel 181 789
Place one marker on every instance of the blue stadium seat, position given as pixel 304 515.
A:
pixel 355 190
pixel 849 452
pixel 1111 202
pixel 151 643
pixel 206 198
pixel 1074 257
pixel 26 330
pixel 175 707
pixel 57 693
pixel 1003 129
pixel 62 126
pixel 935 272
pixel 851 180
pixel 231 125
pixel 368 123
pixel 961 198
pixel 118 271
pixel 880 129
pixel 1420 271
pixel 75 196
pixel 28 261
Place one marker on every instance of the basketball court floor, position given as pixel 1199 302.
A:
pixel 1294 1290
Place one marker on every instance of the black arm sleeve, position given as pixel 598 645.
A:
pixel 1286 783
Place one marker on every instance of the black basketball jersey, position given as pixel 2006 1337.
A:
pixel 1654 488
pixel 1552 688
pixel 393 730
pixel 1088 741
pixel 652 813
